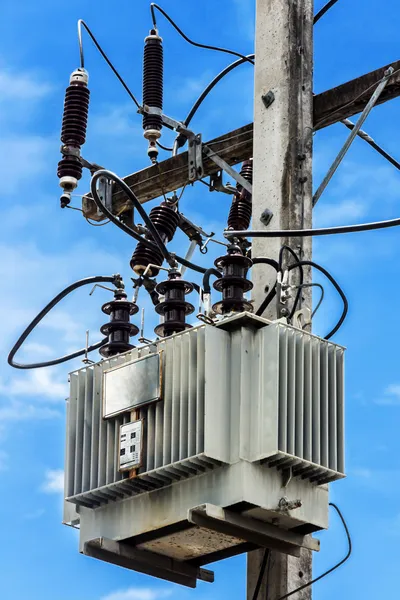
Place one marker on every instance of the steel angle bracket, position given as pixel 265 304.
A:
pixel 227 168
pixel 149 563
pixel 251 530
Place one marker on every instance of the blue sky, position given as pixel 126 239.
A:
pixel 43 249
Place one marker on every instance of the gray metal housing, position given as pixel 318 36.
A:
pixel 252 417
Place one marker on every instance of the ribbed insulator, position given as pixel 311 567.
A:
pixel 233 283
pixel 69 166
pixel 119 329
pixel 241 209
pixel 165 220
pixel 153 64
pixel 240 214
pixel 76 108
pixel 174 308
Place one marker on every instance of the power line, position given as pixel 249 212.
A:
pixel 339 564
pixel 154 7
pixel 324 10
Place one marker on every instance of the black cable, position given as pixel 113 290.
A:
pixel 189 265
pixel 314 232
pixel 154 6
pixel 297 259
pixel 211 85
pixel 206 279
pixel 136 204
pixel 263 568
pixel 142 212
pixel 324 10
pixel 89 280
pixel 266 302
pixel 339 564
pixel 321 287
pixel 311 263
pixel 160 145
pixel 104 55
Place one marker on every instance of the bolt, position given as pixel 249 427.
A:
pixel 268 98
pixel 266 216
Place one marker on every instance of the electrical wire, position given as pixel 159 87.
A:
pixel 297 259
pixel 56 361
pixel 324 10
pixel 212 85
pixel 264 568
pixel 206 279
pixel 136 204
pixel 314 232
pixel 160 145
pixel 142 212
pixel 97 224
pixel 318 285
pixel 81 24
pixel 311 263
pixel 154 6
pixel 339 564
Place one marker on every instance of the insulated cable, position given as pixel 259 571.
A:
pixel 264 568
pixel 206 279
pixel 324 10
pixel 115 279
pixel 310 263
pixel 154 6
pixel 136 204
pixel 212 85
pixel 81 24
pixel 339 564
pixel 181 139
pixel 144 215
pixel 297 259
pixel 256 233
pixel 321 287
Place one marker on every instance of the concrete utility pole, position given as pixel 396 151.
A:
pixel 282 183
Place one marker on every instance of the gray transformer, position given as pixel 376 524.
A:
pixel 212 442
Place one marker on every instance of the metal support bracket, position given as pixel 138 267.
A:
pixel 227 168
pixel 149 563
pixel 195 158
pixel 105 193
pixel 217 185
pixel 251 530
pixel 355 131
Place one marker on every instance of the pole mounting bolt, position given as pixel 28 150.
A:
pixel 268 98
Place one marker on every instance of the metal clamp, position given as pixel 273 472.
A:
pixel 217 185
pixel 195 158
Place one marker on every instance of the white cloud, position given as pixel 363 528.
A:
pixel 54 482
pixel 391 396
pixel 24 86
pixel 343 212
pixel 21 411
pixel 138 594
pixel 22 159
pixel 39 382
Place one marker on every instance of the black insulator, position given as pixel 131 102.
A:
pixel 174 308
pixel 153 79
pixel 233 283
pixel 240 214
pixel 69 166
pixel 76 108
pixel 119 329
pixel 165 220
